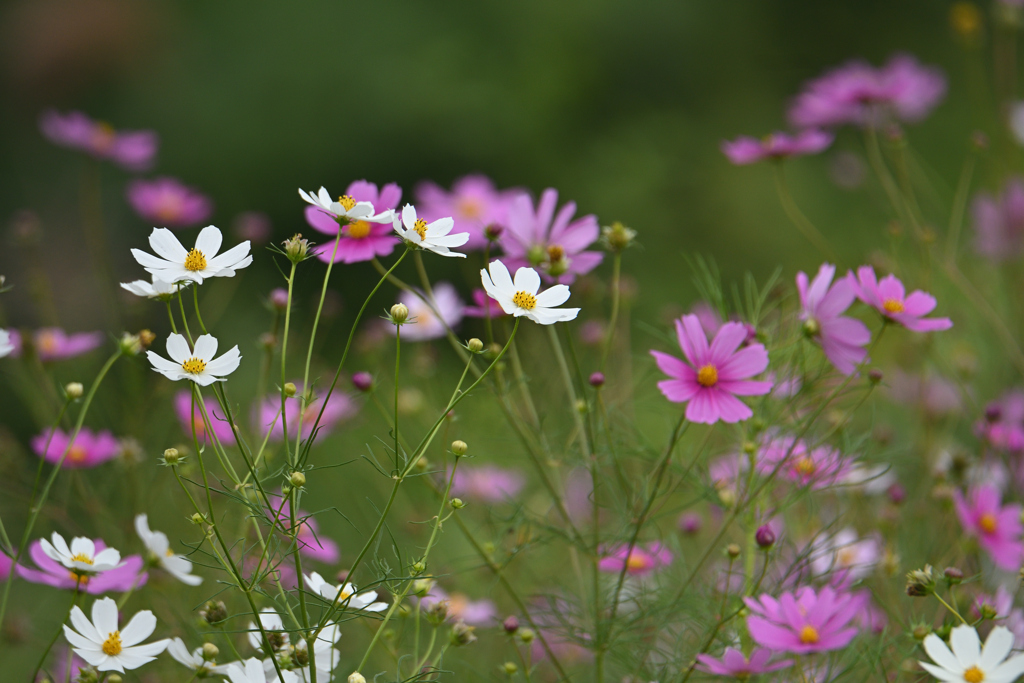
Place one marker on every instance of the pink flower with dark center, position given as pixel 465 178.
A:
pixel 999 222
pixel 805 621
pixel 640 562
pixel 487 483
pixel 483 306
pixel 189 417
pixel 998 528
pixel 341 407
pixel 53 343
pixel 734 663
pixel 888 297
pixel 88 450
pixel 361 240
pixel 473 203
pixel 554 243
pixel 167 202
pixel 1003 424
pixel 842 338
pixel 818 468
pixel 776 146
pixel 52 573
pixel 132 150
pixel 714 375
pixel 311 542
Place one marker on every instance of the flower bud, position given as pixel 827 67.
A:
pixel 114 678
pixel 296 248
pixel 765 537
pixel 617 236
pixel 511 625
pixel 459 448
pixel 130 344
pixel 953 576
pixel 210 651
pixel 510 668
pixel 290 389
pixel 363 381
pixel 526 635
pixel 279 299
pixel 875 376
pixel 897 494
pixel 749 447
pixel 988 611
pixel 732 550
pixel 493 231
pixel 74 390
pixel 297 479
pixel 536 255
pixel 475 345
pixel 462 634
pixel 437 613
pixel 197 518
pixel 921 631
pixel 399 314
pixel 457 504
pixel 171 456
pixel 356 677
pixel 418 567
pixel 214 612
pixel 921 582
pixel 421 587
pixel 690 523
pixel 597 380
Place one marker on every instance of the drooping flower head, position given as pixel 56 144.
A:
pixel 362 214
pixel 425 323
pixel 132 150
pixel 104 645
pixel 126 575
pixel 842 338
pixel 522 296
pixel 174 263
pixel 159 547
pixel 999 222
pixel 734 663
pixel 888 297
pixel 487 483
pixel 53 343
pixel 805 621
pixel 713 376
pixel 998 528
pixel 483 306
pixel 169 203
pixel 776 146
pixel 340 408
pixel 642 561
pixel 88 450
pixel 436 236
pixel 968 662
pixel 473 203
pixel 197 365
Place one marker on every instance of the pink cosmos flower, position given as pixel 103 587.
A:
pixel 132 150
pixel 889 298
pixel 842 338
pixel 188 417
pixel 360 240
pixel 59 669
pixel 341 407
pixel 715 375
pixel 805 621
pixel 640 562
pixel 473 612
pixel 857 93
pixel 52 573
pixel 845 557
pixel 311 542
pixel 424 322
pixel 1007 614
pixel 168 202
pixel 1003 424
pixel 53 343
pixel 734 663
pixel 473 202
pixel 487 483
pixel 89 449
pixel 748 150
pixel 999 222
pixel 483 305
pixel 818 468
pixel 998 528
pixel 553 243
pixel 936 395
pixel 712 322
pixel 725 471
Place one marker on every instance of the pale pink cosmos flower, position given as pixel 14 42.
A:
pixel 474 203
pixel 189 417
pixel 714 375
pixel 845 557
pixel 936 395
pixel 473 612
pixel 423 322
pixel 641 561
pixel 88 450
pixel 53 343
pixel 123 577
pixel 1006 613
pixel 792 459
pixel 1003 424
pixel 132 150
pixel 341 407
pixel 361 240
pixel 776 146
pixel 888 297
pixel 999 222
pixel 998 528
pixel 842 338
pixel 253 226
pixel 554 243
pixel 483 306
pixel 805 621
pixel 487 483
pixel 734 663
pixel 169 203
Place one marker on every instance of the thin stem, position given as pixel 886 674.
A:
pixel 284 368
pixel 802 223
pixel 613 320
pixel 398 366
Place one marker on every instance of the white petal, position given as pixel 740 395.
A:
pixel 527 280
pixel 409 216
pixel 966 645
pixel 997 647
pixel 324 196
pixel 138 629
pixel 501 278
pixel 942 674
pixel 555 296
pixel 940 654
pixel 209 241
pixel 226 364
pixel 108 558
pixel 232 258
pixel 104 616
pixel 165 244
pixel 147 260
pixel 441 227
pixel 177 348
pixel 80 545
pixel 84 626
pixel 1008 671
pixel 206 347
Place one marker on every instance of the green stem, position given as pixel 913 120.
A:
pixel 613 320
pixel 802 223
pixel 284 366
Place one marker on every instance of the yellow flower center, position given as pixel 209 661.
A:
pixel 525 300
pixel 805 466
pixel 194 366
pixel 76 454
pixel 346 594
pixel 80 557
pixel 196 260
pixel 347 202
pixel 892 306
pixel 81 579
pixel 420 226
pixel 469 208
pixel 169 208
pixel 846 557
pixel 47 342
pixel 112 645
pixel 103 136
pixel 636 562
pixel 974 675
pixel 988 523
pixel 359 229
pixel 707 376
pixel 809 635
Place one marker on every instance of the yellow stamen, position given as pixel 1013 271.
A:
pixel 974 675
pixel 636 562
pixel 196 260
pixel 103 136
pixel 525 300
pixel 469 208
pixel 194 366
pixel 81 579
pixel 809 635
pixel 707 376
pixel 169 553
pixel 84 559
pixel 555 253
pixel 359 230
pixel 846 557
pixel 76 454
pixel 988 523
pixel 892 306
pixel 420 226
pixel 347 202
pixel 47 342
pixel 805 466
pixel 112 645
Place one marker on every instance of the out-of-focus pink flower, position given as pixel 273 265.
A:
pixel 712 322
pixel 473 612
pixel 726 470
pixel 748 150
pixel 311 542
pixel 859 94
pixel 640 562
pixel 805 621
pixel 132 150
pixel 341 407
pixel 53 343
pixel 473 203
pixel 715 375
pixel 423 323
pixel 52 573
pixel 59 670
pixel 936 395
pixel 690 523
pixel 818 468
pixel 845 557
pixel 888 297
pixel 483 306
pixel 1005 613
pixel 870 617
pixel 89 449
pixel 360 240
pixel 188 418
pixel 554 244
pixel 842 338
pixel 253 226
pixel 734 664
pixel 998 528
pixel 487 483
pixel 999 222
pixel 1003 424
pixel 167 202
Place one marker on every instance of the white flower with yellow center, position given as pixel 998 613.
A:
pixel 346 208
pixel 521 297
pixel 194 660
pixel 100 643
pixel 178 566
pixel 81 557
pixel 253 671
pixel 158 289
pixel 432 236
pixel 198 364
pixel 330 592
pixel 6 347
pixel 968 662
pixel 174 263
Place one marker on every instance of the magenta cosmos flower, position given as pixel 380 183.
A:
pixel 1003 424
pixel 52 573
pixel 805 621
pixel 53 343
pixel 190 417
pixel 888 297
pixel 169 203
pixel 640 562
pixel 998 528
pixel 714 375
pixel 311 542
pixel 776 146
pixel 89 449
pixel 818 467
pixel 734 663
pixel 133 150
pixel 360 240
pixel 473 203
pixel 341 407
pixel 859 94
pixel 554 243
pixel 842 338
pixel 999 222
pixel 487 483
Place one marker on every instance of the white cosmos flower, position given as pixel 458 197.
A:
pixel 345 207
pixel 102 645
pixel 327 656
pixel 178 566
pixel 329 592
pixel 194 660
pixel 521 297
pixel 433 236
pixel 197 365
pixel 81 557
pixel 174 263
pixel 968 662
pixel 158 289
pixel 6 347
pixel 254 672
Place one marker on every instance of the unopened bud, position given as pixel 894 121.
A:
pixel 290 389
pixel 297 479
pixel 988 611
pixel 953 576
pixel 475 345
pixel 457 504
pixel 296 248
pixel 356 677
pixel 422 587
pixel 462 634
pixel 510 668
pixel 146 338
pixel 921 631
pixel 617 236
pixel 581 406
pixel 399 314
pixel 812 328
pixel 765 537
pixel 74 390
pixel 749 447
pixel 875 376
pixel 171 456
pixel 114 678
pixel 210 651
pixel 921 582
pixel 419 567
pixel 130 344
pixel 493 231
pixel 214 612
pixel 511 625
pixel 526 635
pixel 459 448
pixel 732 550
pixel 597 380
pixel 437 613
pixel 363 381
pixel 279 299
pixel 197 518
